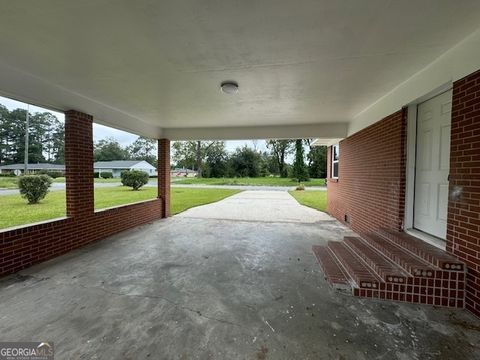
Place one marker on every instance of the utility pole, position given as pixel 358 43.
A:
pixel 27 125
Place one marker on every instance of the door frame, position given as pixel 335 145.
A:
pixel 411 148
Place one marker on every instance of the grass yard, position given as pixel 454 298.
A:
pixel 313 199
pixel 97 180
pixel 8 182
pixel 15 211
pixel 262 181
pixel 183 199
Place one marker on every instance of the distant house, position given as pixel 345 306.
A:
pixel 33 168
pixel 116 167
pixel 183 173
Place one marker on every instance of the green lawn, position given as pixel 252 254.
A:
pixel 15 211
pixel 313 199
pixel 97 180
pixel 183 199
pixel 8 182
pixel 11 182
pixel 262 181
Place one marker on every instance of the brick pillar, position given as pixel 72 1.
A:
pixel 164 175
pixel 79 164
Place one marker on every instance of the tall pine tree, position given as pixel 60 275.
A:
pixel 300 170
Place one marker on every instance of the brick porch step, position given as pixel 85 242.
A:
pixel 332 270
pixel 388 271
pixel 405 259
pixel 427 252
pixel 356 268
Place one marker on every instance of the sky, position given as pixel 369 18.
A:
pixel 123 137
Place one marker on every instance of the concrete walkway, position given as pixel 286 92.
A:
pixel 266 206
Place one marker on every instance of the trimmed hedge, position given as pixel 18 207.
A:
pixel 134 178
pixel 52 174
pixel 34 187
pixel 106 175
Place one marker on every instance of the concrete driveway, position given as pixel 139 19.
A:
pixel 266 206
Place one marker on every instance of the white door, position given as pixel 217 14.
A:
pixel 432 165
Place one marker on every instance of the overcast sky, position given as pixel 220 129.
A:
pixel 124 138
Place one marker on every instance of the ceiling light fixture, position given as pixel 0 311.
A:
pixel 229 87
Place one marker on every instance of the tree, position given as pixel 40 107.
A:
pixel 317 161
pixel 144 149
pixel 300 171
pixel 108 150
pixel 245 162
pixel 46 137
pixel 216 161
pixel 280 149
pixel 192 154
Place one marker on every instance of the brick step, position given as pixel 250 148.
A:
pixel 405 259
pixel 388 271
pixel 355 267
pixel 427 252
pixel 333 272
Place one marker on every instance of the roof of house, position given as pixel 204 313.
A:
pixel 119 164
pixel 39 166
pixel 183 170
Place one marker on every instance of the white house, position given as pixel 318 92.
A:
pixel 117 166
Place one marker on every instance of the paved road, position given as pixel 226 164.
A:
pixel 61 186
pixel 264 206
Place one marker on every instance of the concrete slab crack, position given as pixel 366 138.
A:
pixel 158 297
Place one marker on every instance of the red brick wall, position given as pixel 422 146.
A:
pixel 79 163
pixel 371 185
pixel 164 175
pixel 463 229
pixel 29 245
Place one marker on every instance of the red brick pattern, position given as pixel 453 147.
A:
pixel 333 271
pixel 164 175
pixel 379 263
pixel 29 245
pixel 463 227
pixel 370 190
pixel 427 252
pixel 439 287
pixel 79 163
pixel 357 269
pixel 412 264
pixel 441 291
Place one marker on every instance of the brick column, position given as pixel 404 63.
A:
pixel 79 164
pixel 164 175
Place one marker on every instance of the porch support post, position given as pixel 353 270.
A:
pixel 164 175
pixel 79 164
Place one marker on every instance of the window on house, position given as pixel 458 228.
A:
pixel 335 157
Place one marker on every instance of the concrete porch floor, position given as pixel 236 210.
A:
pixel 188 288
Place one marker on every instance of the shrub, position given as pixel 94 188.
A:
pixel 8 175
pixel 134 178
pixel 95 174
pixel 106 175
pixel 53 174
pixel 300 187
pixel 34 187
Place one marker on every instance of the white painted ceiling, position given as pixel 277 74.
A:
pixel 147 65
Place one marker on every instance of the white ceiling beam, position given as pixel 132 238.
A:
pixel 323 130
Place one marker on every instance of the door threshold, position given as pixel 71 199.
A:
pixel 432 240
